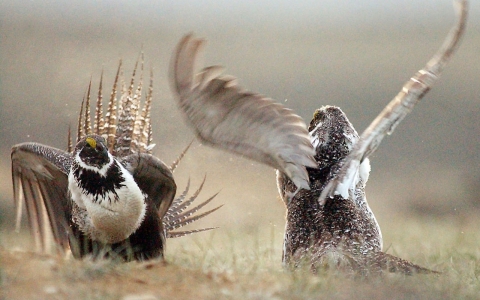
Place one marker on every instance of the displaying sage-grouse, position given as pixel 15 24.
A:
pixel 107 196
pixel 328 216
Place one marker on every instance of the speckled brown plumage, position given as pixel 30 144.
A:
pixel 332 221
pixel 327 212
pixel 344 230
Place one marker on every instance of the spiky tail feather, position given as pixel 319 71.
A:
pixel 126 124
pixel 174 165
pixel 128 131
pixel 178 215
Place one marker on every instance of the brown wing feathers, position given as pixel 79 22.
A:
pixel 410 94
pixel 225 116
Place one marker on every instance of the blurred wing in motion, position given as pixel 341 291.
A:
pixel 397 109
pixel 242 122
pixel 39 175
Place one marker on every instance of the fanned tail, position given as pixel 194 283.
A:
pixel 174 165
pixel 127 130
pixel 185 218
pixel 178 215
pixel 186 203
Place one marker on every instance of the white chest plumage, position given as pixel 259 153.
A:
pixel 112 215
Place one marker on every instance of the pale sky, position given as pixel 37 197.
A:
pixel 354 54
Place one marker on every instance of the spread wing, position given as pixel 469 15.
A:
pixel 242 122
pixel 39 175
pixel 398 108
pixel 154 178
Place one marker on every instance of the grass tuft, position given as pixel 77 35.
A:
pixel 246 264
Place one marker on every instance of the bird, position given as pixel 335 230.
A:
pixel 107 196
pixel 328 222
pixel 343 231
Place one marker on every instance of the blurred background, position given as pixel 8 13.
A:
pixel 304 54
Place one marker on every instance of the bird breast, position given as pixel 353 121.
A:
pixel 110 215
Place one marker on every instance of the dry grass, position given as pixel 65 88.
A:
pixel 230 264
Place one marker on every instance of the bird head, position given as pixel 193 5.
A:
pixel 332 135
pixel 92 151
